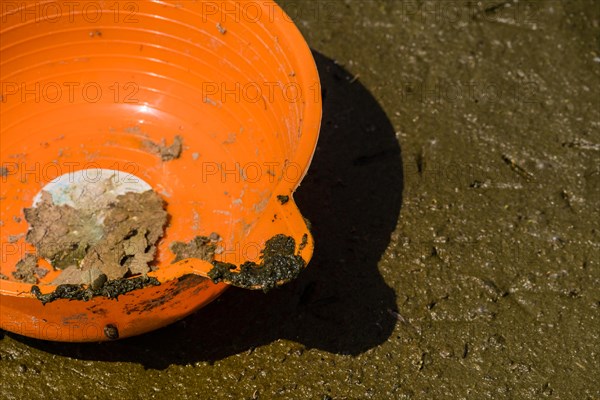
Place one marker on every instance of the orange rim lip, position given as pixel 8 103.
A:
pixel 310 128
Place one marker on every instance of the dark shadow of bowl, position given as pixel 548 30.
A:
pixel 340 304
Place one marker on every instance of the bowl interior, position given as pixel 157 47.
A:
pixel 84 90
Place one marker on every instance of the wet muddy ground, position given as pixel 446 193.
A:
pixel 454 199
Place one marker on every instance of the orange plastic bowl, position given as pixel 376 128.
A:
pixel 84 84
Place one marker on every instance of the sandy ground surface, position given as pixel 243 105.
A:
pixel 455 199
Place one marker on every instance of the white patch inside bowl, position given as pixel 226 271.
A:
pixel 92 186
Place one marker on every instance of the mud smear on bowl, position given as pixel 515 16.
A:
pixel 99 241
pixel 27 270
pixel 110 289
pixel 166 153
pixel 279 264
pixel 201 247
pixel 283 199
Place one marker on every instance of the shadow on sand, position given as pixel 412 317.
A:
pixel 352 194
